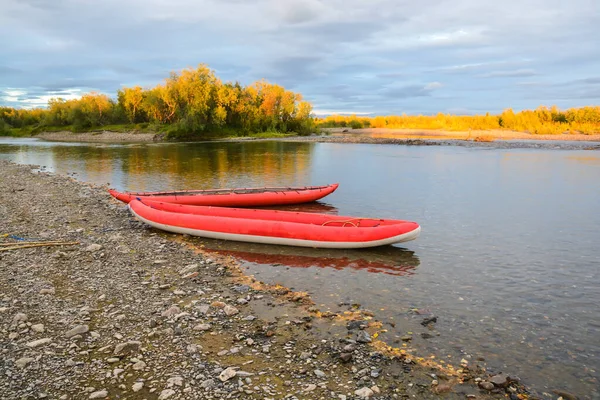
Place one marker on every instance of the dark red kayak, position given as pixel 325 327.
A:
pixel 247 197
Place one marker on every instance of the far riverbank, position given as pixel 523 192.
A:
pixel 494 138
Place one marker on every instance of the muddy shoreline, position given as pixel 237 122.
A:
pixel 132 312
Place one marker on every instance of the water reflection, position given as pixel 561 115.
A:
pixel 171 167
pixel 387 260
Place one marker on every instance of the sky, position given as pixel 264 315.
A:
pixel 370 57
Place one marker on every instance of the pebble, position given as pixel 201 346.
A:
pixel 137 386
pixel 175 381
pixel 127 348
pixel 202 327
pixel 499 380
pixel 38 343
pixel 364 392
pixel 227 374
pixel 92 248
pixel 319 373
pixel 19 317
pixel 165 394
pixel 48 291
pixel 486 385
pixel 138 366
pixel 310 387
pixel 37 328
pixel 78 330
pixel 22 362
pixel 363 337
pixel 100 394
pixel 171 312
pixel 230 310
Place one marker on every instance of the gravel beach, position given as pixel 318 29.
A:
pixel 125 311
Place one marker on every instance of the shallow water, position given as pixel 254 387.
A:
pixel 508 258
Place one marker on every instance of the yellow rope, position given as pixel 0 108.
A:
pixel 344 222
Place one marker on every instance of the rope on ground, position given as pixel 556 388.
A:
pixel 28 245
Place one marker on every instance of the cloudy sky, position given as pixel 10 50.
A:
pixel 372 57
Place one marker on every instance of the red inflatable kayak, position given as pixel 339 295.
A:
pixel 274 227
pixel 252 197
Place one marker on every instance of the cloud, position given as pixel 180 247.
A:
pixel 380 56
pixel 518 73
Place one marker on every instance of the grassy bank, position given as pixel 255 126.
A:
pixel 541 121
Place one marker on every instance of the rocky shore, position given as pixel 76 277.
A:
pixel 100 137
pixel 125 311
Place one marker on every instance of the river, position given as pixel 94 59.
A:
pixel 508 258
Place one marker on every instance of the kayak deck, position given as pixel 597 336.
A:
pixel 274 227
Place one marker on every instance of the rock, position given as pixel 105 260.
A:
pixel 100 394
pixel 139 366
pixel 171 312
pixel 429 320
pixel 127 348
pixel 319 373
pixel 207 384
pixel 486 385
pixel 356 325
pixel 426 335
pixel 444 388
pixel 48 291
pixel 22 362
pixel 230 310
pixel 92 248
pixel 364 392
pixel 363 337
pixel 243 374
pixel 193 348
pixel 241 288
pixel 310 387
pixel 38 343
pixel 78 330
pixel 190 275
pixel 137 386
pixel 37 328
pixel 202 327
pixel 175 381
pixel 165 394
pixel 349 348
pixel 564 395
pixel 203 308
pixel 19 317
pixel 346 357
pixel 227 374
pixel 500 380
